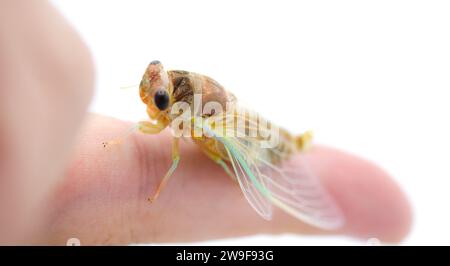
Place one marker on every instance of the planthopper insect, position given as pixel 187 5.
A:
pixel 265 160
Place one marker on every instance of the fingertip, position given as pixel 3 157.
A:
pixel 372 202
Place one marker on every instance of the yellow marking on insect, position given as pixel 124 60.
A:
pixel 304 141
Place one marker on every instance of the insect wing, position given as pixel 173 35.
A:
pixel 290 184
pixel 253 186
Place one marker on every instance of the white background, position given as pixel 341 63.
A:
pixel 370 77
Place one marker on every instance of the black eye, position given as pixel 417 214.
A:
pixel 161 99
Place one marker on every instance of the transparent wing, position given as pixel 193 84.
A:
pixel 252 186
pixel 289 185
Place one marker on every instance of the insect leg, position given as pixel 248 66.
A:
pixel 148 127
pixel 145 127
pixel 120 139
pixel 175 160
pixel 220 162
pixel 226 168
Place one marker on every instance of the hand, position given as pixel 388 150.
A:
pixel 56 184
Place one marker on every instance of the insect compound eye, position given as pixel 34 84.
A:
pixel 161 99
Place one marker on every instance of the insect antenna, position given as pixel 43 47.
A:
pixel 129 87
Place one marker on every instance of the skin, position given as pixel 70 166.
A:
pixel 55 172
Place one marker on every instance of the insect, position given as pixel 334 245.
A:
pixel 264 172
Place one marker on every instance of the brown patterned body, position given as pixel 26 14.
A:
pixel 186 84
